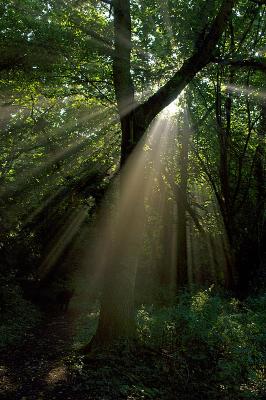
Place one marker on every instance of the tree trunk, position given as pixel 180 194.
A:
pixel 224 198
pixel 251 259
pixel 167 262
pixel 259 173
pixel 182 261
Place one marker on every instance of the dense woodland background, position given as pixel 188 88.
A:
pixel 132 199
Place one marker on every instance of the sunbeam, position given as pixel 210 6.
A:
pixel 255 93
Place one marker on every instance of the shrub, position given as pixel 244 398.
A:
pixel 212 344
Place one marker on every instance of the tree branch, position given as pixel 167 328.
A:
pixel 166 94
pixel 251 63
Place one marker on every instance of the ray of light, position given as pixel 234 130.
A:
pixel 207 249
pixel 120 231
pixel 255 93
pixel 61 240
pixel 125 222
pixel 72 149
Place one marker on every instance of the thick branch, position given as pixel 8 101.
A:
pixel 166 94
pixel 252 63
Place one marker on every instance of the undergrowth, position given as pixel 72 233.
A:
pixel 213 344
pixel 18 315
pixel 203 346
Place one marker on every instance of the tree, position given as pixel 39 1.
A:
pixel 117 308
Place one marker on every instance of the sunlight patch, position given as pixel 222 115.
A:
pixel 56 375
pixel 172 109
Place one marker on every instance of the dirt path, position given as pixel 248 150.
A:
pixel 36 367
pixel 45 367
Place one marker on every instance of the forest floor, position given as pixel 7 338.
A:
pixel 32 369
pixel 45 366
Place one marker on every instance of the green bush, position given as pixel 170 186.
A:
pixel 214 345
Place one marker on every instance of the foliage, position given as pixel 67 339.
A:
pixel 212 344
pixel 205 345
